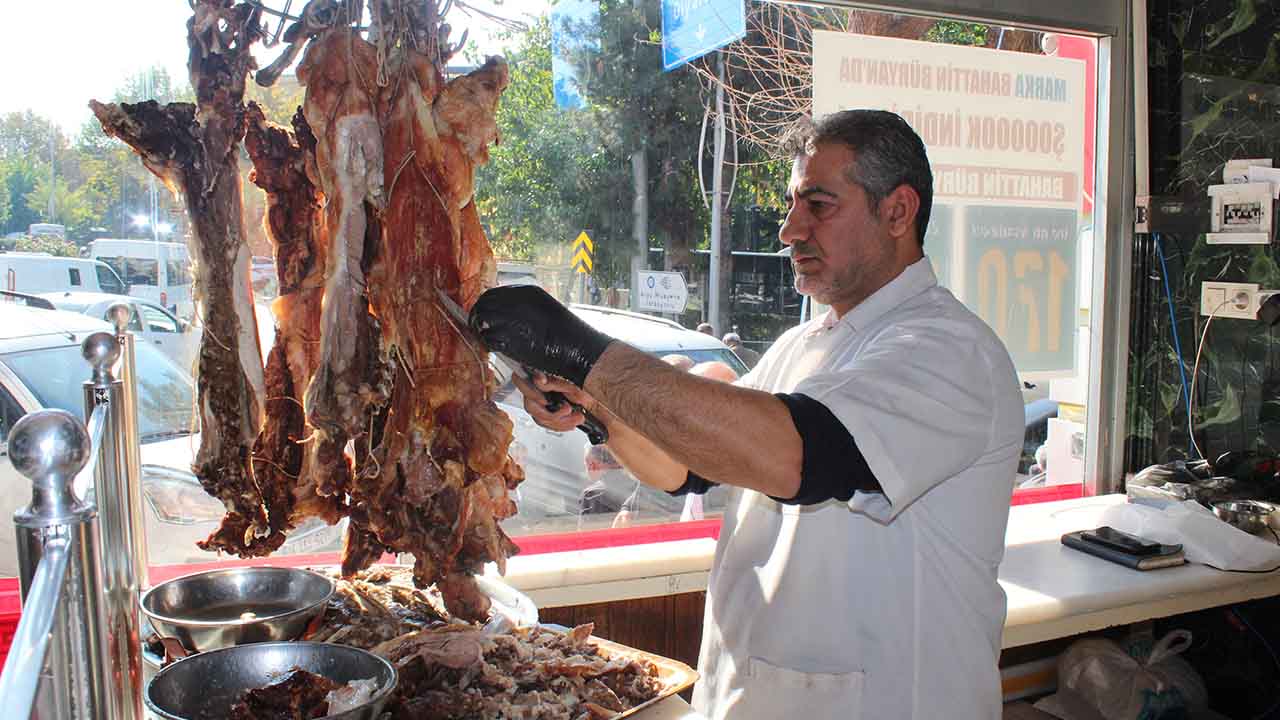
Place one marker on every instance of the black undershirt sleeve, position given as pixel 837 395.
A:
pixel 693 483
pixel 833 467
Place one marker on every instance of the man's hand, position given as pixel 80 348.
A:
pixel 529 326
pixel 565 418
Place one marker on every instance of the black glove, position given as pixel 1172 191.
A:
pixel 526 324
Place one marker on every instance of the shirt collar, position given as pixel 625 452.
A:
pixel 913 280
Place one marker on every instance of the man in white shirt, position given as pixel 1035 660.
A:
pixel 873 451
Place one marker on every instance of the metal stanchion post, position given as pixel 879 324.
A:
pixel 118 490
pixel 131 453
pixel 61 632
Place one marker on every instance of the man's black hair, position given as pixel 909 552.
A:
pixel 886 153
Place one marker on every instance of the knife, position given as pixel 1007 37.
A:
pixel 596 431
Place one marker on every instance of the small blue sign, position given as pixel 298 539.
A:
pixel 693 28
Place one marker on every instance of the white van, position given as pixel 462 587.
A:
pixel 41 273
pixel 157 271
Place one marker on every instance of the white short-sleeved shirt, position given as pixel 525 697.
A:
pixel 886 606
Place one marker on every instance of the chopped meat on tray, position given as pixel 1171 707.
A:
pixel 301 695
pixel 458 671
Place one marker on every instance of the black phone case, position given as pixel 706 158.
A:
pixel 1169 555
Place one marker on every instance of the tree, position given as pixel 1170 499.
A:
pixel 534 192
pixel 19 178
pixel 47 244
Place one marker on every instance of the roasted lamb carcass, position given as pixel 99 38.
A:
pixel 370 213
pixel 396 163
pixel 194 149
pixel 296 482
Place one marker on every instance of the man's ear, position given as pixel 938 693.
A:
pixel 899 209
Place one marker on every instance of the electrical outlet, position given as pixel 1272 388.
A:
pixel 1233 300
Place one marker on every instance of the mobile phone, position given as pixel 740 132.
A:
pixel 1122 541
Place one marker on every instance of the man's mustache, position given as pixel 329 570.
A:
pixel 801 251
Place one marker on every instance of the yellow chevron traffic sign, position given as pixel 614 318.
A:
pixel 582 251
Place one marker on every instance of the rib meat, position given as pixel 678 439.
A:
pixel 295 484
pixel 194 150
pixel 341 109
pixel 444 443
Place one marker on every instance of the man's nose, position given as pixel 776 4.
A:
pixel 792 228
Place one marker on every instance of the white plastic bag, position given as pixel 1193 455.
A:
pixel 1117 686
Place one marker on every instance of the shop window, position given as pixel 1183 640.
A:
pixel 1008 116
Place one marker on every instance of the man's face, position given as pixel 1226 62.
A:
pixel 840 250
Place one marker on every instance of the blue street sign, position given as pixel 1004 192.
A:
pixel 693 28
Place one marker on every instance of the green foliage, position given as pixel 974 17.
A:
pixel 556 172
pixel 957 33
pixel 47 244
pixel 17 180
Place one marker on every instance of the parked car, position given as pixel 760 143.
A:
pixel 156 325
pixel 151 323
pixel 555 463
pixel 156 271
pixel 41 367
pixel 41 272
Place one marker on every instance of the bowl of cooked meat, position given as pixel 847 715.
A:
pixel 236 606
pixel 273 681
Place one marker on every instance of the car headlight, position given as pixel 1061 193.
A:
pixel 177 496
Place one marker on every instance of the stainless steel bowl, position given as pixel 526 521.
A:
pixel 205 686
pixel 235 606
pixel 1251 516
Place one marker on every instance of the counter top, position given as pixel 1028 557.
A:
pixel 1053 591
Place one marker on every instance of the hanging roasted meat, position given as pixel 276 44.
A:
pixel 194 150
pixel 296 484
pixel 445 441
pixel 373 404
pixel 397 151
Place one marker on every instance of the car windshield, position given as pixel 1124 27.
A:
pixel 700 356
pixel 165 394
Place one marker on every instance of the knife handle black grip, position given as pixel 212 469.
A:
pixel 596 432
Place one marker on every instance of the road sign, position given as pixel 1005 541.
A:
pixel 582 251
pixel 693 28
pixel 662 292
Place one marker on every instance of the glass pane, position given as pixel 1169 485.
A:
pixel 605 168
pixel 158 321
pixel 1201 384
pixel 56 378
pixel 142 271
pixel 10 413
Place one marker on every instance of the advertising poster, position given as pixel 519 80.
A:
pixel 1005 133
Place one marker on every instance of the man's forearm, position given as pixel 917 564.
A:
pixel 648 462
pixel 721 432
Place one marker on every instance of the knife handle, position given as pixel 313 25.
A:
pixel 596 432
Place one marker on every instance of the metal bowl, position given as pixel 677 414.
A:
pixel 205 686
pixel 235 606
pixel 1251 516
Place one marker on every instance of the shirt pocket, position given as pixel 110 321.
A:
pixel 773 691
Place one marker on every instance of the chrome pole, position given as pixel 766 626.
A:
pixel 118 492
pixel 119 314
pixel 58 646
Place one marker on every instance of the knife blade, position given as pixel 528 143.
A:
pixel 596 431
